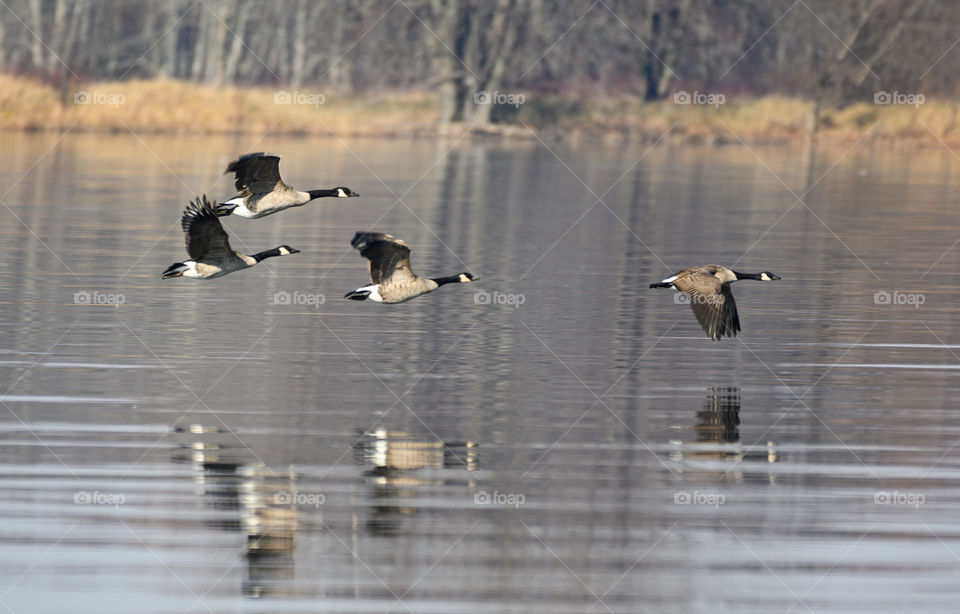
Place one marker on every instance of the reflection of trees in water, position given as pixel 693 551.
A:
pixel 398 466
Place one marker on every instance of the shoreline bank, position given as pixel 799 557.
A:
pixel 176 107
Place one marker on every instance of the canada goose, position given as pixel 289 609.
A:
pixel 708 289
pixel 262 191
pixel 209 246
pixel 393 281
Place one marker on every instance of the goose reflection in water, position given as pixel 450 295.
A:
pixel 717 438
pixel 230 479
pixel 398 466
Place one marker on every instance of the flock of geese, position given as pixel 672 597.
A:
pixel 262 192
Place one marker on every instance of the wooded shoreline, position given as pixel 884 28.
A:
pixel 176 107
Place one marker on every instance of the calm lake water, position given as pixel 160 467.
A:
pixel 555 437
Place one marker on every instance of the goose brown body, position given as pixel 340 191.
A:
pixel 209 246
pixel 392 280
pixel 707 288
pixel 261 191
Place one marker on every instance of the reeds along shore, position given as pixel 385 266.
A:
pixel 176 107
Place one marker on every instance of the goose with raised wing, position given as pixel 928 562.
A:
pixel 209 246
pixel 707 288
pixel 391 278
pixel 262 192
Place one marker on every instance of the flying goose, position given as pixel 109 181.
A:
pixel 392 279
pixel 209 246
pixel 262 191
pixel 708 289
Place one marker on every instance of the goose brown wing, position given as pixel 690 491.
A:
pixel 716 313
pixel 388 257
pixel 731 320
pixel 256 174
pixel 710 300
pixel 204 234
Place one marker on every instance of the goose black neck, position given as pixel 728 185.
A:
pixel 323 193
pixel 755 276
pixel 452 279
pixel 270 253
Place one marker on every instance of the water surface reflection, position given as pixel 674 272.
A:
pixel 331 457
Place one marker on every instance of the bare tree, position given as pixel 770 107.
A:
pixel 834 52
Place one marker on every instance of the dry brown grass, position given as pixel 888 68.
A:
pixel 166 106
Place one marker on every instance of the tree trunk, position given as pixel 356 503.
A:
pixel 299 44
pixel 167 66
pixel 451 27
pixel 76 25
pixel 199 44
pixel 36 41
pixel 55 44
pixel 340 70
pixel 242 11
pixel 878 28
pixel 499 39
pixel 664 36
pixel 216 40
